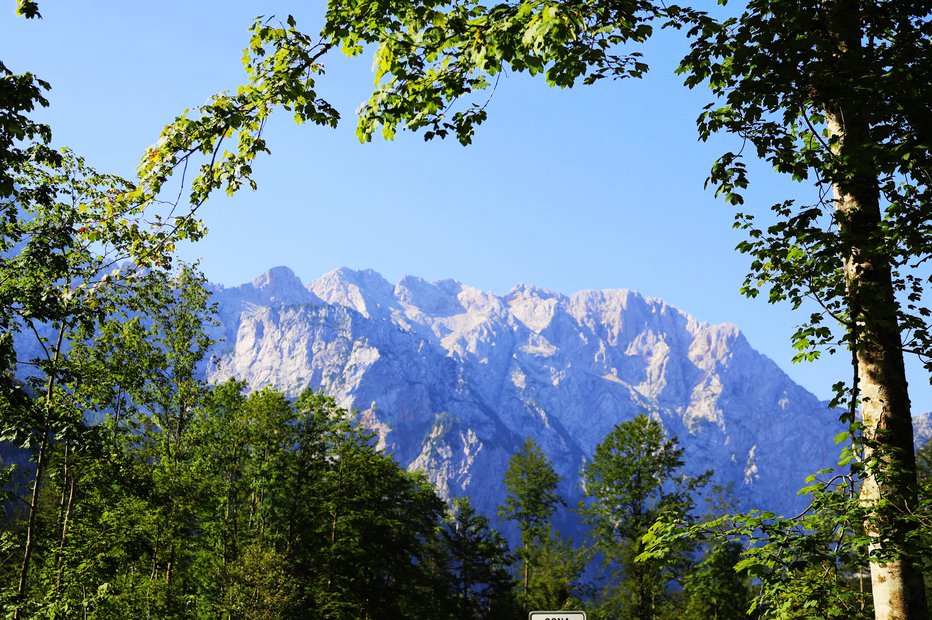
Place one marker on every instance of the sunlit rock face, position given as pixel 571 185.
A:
pixel 452 379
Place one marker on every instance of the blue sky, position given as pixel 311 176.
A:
pixel 597 187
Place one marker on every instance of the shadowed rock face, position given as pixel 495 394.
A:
pixel 453 379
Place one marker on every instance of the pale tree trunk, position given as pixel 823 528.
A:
pixel 31 523
pixel 66 506
pixel 889 488
pixel 897 583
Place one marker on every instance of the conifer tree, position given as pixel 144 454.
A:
pixel 634 478
pixel 479 580
pixel 532 497
pixel 559 574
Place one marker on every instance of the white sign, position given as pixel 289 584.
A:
pixel 557 615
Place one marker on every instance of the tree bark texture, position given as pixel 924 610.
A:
pixel 889 488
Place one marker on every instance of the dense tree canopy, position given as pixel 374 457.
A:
pixel 479 559
pixel 635 478
pixel 532 498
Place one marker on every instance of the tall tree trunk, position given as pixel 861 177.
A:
pixel 69 487
pixel 338 497
pixel 41 458
pixel 31 521
pixel 527 573
pixel 889 488
pixel 231 517
pixel 170 577
pixel 890 485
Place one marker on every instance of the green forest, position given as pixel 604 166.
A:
pixel 135 490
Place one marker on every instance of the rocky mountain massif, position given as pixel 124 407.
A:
pixel 453 379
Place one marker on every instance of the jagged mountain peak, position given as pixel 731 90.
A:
pixel 275 276
pixel 279 286
pixel 368 278
pixel 438 299
pixel 613 305
pixel 452 379
pixel 365 291
pixel 530 291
